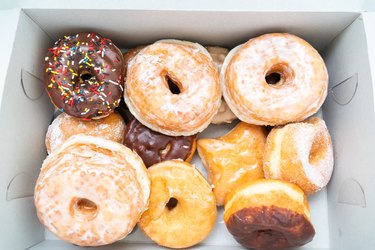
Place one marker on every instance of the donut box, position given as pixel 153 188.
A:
pixel 342 213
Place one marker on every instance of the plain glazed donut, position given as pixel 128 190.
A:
pixel 224 115
pixel 233 159
pixel 154 147
pixel 300 153
pixel 91 191
pixel 187 66
pixel 274 79
pixel 182 210
pixel 84 75
pixel 64 126
pixel 268 214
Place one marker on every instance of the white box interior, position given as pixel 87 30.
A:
pixel 342 213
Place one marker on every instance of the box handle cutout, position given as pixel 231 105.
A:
pixel 21 186
pixel 352 193
pixel 32 86
pixel 343 92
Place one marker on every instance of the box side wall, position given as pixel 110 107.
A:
pixel 349 114
pixel 25 113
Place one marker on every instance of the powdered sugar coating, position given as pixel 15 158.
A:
pixel 64 126
pixel 104 172
pixel 152 103
pixel 300 92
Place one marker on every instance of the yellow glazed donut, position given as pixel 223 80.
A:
pixel 91 191
pixel 151 81
pixel 274 79
pixel 300 153
pixel 234 158
pixel 182 210
pixel 111 127
pixel 268 214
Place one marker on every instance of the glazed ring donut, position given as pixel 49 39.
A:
pixel 64 126
pixel 300 153
pixel 182 210
pixel 193 98
pixel 274 79
pixel 224 115
pixel 84 75
pixel 91 191
pixel 154 147
pixel 268 214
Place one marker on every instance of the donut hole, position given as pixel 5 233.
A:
pixel 165 151
pixel 172 203
pixel 84 209
pixel 173 85
pixel 279 74
pixel 85 75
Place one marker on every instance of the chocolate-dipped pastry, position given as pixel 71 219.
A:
pixel 84 75
pixel 269 214
pixel 154 147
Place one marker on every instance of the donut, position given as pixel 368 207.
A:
pixel 300 153
pixel 224 115
pixel 64 126
pixel 182 210
pixel 91 191
pixel 193 98
pixel 84 75
pixel 268 214
pixel 274 79
pixel 233 159
pixel 154 147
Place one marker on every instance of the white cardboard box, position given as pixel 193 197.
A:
pixel 343 214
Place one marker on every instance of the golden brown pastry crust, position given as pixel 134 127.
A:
pixel 64 126
pixel 268 214
pixel 150 100
pixel 194 215
pixel 234 158
pixel 300 153
pixel 91 191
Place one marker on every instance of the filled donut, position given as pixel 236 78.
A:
pixel 233 159
pixel 172 87
pixel 274 79
pixel 64 126
pixel 91 191
pixel 182 210
pixel 268 214
pixel 154 147
pixel 84 75
pixel 300 153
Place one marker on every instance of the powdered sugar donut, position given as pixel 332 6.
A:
pixel 172 87
pixel 300 153
pixel 91 191
pixel 274 79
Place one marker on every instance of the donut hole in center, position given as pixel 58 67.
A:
pixel 173 85
pixel 172 203
pixel 317 150
pixel 84 209
pixel 165 151
pixel 85 75
pixel 278 74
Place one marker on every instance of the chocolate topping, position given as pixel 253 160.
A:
pixel 154 147
pixel 270 228
pixel 84 75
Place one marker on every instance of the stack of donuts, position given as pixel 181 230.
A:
pixel 130 123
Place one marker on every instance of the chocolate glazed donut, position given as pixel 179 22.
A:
pixel 84 75
pixel 270 228
pixel 154 147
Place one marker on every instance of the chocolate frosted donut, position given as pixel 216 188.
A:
pixel 154 147
pixel 84 75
